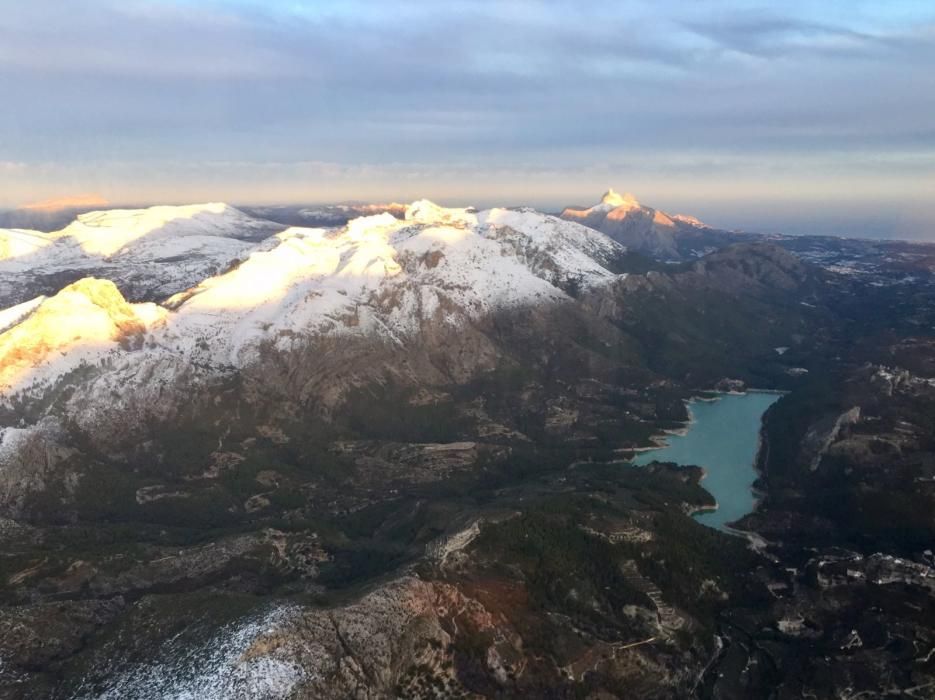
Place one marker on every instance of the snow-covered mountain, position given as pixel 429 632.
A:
pixel 381 275
pixel 376 276
pixel 21 243
pixel 160 232
pixel 645 229
pixel 412 287
pixel 150 253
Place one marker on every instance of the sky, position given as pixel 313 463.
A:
pixel 795 116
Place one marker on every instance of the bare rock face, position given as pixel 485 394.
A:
pixel 34 460
pixel 819 439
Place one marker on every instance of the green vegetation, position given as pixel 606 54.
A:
pixel 566 569
pixel 684 555
pixel 385 412
pixel 570 568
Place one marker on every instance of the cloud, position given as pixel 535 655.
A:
pixel 769 35
pixel 122 92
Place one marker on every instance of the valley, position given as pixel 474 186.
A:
pixel 387 458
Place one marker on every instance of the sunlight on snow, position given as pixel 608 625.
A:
pixel 105 233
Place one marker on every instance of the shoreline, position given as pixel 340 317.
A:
pixel 757 542
pixel 660 438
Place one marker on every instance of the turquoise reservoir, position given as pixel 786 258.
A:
pixel 723 438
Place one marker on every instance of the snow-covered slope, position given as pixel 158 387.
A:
pixel 13 315
pixel 80 325
pixel 220 667
pixel 16 244
pixel 149 253
pixel 378 277
pixel 134 233
pixel 689 220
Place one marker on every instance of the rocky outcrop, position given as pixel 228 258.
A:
pixel 823 435
pixel 379 646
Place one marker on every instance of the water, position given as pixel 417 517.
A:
pixel 723 439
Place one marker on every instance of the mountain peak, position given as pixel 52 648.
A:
pixel 427 212
pixel 616 199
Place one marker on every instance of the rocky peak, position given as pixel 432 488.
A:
pixel 619 200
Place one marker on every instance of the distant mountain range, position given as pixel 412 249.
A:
pixel 56 214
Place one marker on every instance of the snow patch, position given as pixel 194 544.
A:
pixel 218 669
pixel 15 314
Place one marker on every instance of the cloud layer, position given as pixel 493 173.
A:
pixel 528 100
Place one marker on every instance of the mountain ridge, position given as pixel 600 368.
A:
pixel 355 280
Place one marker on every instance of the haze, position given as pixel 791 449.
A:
pixel 799 117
